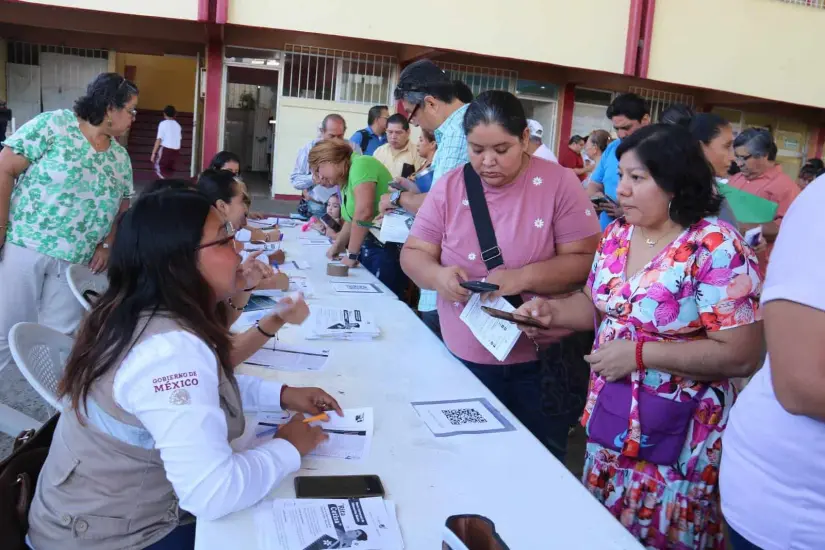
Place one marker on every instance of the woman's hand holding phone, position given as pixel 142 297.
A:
pixel 448 284
pixel 539 309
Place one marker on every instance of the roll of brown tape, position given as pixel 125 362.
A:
pixel 337 270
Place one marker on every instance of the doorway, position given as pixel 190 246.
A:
pixel 250 116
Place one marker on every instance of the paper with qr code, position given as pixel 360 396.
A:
pixel 461 416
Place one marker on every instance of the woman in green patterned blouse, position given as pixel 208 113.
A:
pixel 63 181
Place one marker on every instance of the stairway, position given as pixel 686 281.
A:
pixel 142 137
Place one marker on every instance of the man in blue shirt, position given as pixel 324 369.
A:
pixel 374 135
pixel 628 113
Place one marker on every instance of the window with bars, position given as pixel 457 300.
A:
pixel 481 79
pixel 338 75
pixel 23 53
pixel 658 100
pixel 820 4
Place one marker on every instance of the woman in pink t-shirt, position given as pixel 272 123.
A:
pixel 547 232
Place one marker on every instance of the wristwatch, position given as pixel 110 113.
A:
pixel 395 197
pixel 352 256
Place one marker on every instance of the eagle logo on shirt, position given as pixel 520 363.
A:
pixel 180 397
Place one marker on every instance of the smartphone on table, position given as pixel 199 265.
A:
pixel 358 486
pixel 479 286
pixel 513 318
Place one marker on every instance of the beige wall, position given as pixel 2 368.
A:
pixel 754 47
pixel 162 80
pixel 298 121
pixel 172 9
pixel 589 34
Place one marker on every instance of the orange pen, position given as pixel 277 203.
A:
pixel 322 416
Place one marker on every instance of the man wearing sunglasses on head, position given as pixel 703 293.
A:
pixel 437 104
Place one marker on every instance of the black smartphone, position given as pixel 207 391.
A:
pixel 338 486
pixel 513 318
pixel 479 286
pixel 330 222
pixel 407 170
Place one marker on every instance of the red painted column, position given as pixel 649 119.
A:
pixel 212 101
pixel 634 34
pixel 567 105
pixel 647 37
pixel 820 142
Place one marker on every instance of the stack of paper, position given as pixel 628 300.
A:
pixel 315 524
pixel 340 324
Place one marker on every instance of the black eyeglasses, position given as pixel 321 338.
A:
pixel 743 158
pixel 230 236
pixel 412 114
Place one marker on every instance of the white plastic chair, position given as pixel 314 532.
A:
pixel 82 279
pixel 40 353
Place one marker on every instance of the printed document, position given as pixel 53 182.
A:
pixel 395 227
pixel 496 335
pixel 340 324
pixel 350 436
pixel 356 288
pixel 279 356
pixel 461 416
pixel 318 524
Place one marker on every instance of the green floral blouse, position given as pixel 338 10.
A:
pixel 64 204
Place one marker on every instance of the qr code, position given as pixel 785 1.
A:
pixel 457 417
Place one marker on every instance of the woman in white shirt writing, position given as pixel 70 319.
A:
pixel 152 401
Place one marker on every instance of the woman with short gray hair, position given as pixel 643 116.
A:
pixel 64 179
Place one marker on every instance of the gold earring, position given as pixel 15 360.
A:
pixel 109 121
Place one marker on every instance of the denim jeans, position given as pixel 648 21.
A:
pixel 738 542
pixel 430 319
pixel 181 538
pixel 519 388
pixel 385 263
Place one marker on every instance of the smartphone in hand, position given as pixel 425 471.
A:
pixel 479 286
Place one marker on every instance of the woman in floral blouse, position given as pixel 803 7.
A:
pixel 675 295
pixel 72 180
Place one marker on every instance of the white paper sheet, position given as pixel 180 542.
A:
pixel 340 324
pixel 497 336
pixel 753 236
pixel 461 416
pixel 287 357
pixel 356 288
pixel 319 524
pixel 395 227
pixel 350 436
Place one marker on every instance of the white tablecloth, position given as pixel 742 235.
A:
pixel 509 477
pixel 317 274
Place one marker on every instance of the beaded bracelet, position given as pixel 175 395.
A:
pixel 262 331
pixel 640 364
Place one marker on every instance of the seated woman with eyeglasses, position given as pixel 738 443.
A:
pixel 152 400
pixel 229 196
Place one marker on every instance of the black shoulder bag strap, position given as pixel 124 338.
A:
pixel 490 252
pixel 365 140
